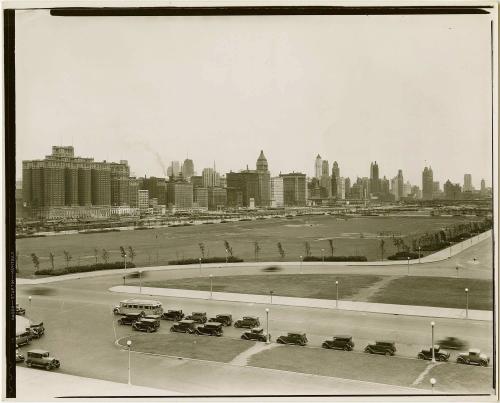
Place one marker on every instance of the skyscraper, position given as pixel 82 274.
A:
pixel 294 189
pixel 400 183
pixel 326 189
pixel 483 186
pixel 374 178
pixel 335 170
pixel 468 183
pixel 318 167
pixel 210 177
pixel 174 169
pixel 427 183
pixel 187 168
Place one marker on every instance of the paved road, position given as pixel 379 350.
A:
pixel 81 331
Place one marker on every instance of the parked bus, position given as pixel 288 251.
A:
pixel 137 306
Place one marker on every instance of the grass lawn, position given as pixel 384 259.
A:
pixel 460 379
pixel 358 236
pixel 437 291
pixel 188 346
pixel 293 285
pixel 341 364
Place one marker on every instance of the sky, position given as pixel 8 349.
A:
pixel 405 91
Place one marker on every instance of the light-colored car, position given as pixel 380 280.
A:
pixel 473 357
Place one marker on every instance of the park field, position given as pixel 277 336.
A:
pixel 443 292
pixel 354 236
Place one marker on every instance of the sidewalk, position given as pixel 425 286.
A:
pixel 37 385
pixel 435 257
pixel 410 310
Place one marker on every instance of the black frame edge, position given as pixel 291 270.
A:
pixel 10 200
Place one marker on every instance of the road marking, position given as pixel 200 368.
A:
pixel 421 377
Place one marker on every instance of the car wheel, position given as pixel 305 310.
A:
pixel 460 360
pixel 484 364
pixel 28 364
pixel 347 348
pixel 420 356
pixel 442 358
pixel 48 367
pixel 324 345
pixel 367 350
pixel 280 341
pixel 387 354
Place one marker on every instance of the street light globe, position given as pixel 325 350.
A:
pixel 29 297
pixel 210 275
pixel 129 343
pixel 300 257
pixel 433 381
pixel 267 310
pixel 466 290
pixel 408 257
pixel 336 282
pixel 432 323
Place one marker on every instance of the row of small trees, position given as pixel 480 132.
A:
pixel 103 254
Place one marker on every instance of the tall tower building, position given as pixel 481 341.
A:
pixel 374 178
pixel 210 177
pixel 336 170
pixel 468 183
pixel 326 188
pixel 427 183
pixel 400 183
pixel 187 168
pixel 318 167
pixel 483 186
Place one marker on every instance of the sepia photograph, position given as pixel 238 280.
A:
pixel 236 200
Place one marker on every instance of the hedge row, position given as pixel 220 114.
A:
pixel 86 268
pixel 336 259
pixel 403 256
pixel 230 259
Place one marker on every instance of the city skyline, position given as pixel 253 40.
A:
pixel 235 88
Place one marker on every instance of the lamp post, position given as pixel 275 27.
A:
pixel 140 281
pixel 323 255
pixel 408 265
pixel 432 340
pixel 450 249
pixel 226 255
pixel 129 343
pixel 271 294
pixel 337 289
pixel 199 262
pixel 300 264
pixel 419 255
pixel 29 299
pixel 210 286
pixel 457 271
pixel 125 260
pixel 466 303
pixel 267 326
pixel 433 382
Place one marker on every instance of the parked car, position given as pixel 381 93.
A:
pixel 37 330
pixel 439 354
pixel 453 343
pixel 130 318
pixel 473 357
pixel 293 338
pixel 173 314
pixel 19 355
pixel 225 319
pixel 23 338
pixel 41 358
pixel 19 310
pixel 248 322
pixel 342 342
pixel 381 347
pixel 184 326
pixel 198 317
pixel 155 318
pixel 257 333
pixel 145 325
pixel 210 329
